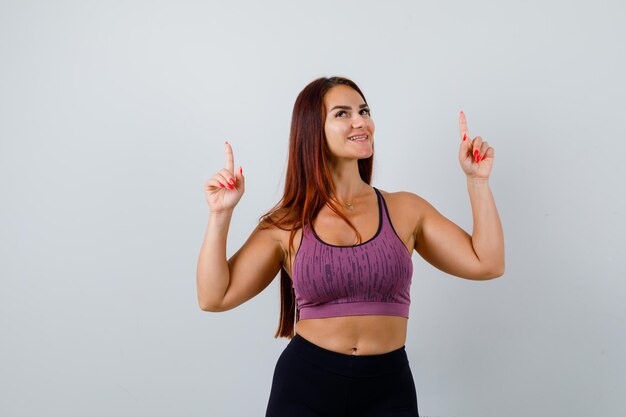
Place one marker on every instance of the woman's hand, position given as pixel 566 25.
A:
pixel 475 155
pixel 224 190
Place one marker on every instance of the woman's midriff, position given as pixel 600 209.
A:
pixel 355 335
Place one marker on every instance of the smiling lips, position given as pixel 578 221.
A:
pixel 357 138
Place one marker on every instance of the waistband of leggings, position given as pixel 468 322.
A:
pixel 349 365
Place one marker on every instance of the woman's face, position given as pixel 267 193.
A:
pixel 347 116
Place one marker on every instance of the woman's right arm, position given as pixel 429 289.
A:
pixel 223 285
pixel 212 275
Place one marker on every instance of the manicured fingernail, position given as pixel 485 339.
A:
pixel 240 170
pixel 225 141
pixel 464 136
pixel 230 180
pixel 221 185
pixel 476 155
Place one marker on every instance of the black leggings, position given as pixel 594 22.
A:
pixel 310 381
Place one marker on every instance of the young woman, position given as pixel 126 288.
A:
pixel 343 248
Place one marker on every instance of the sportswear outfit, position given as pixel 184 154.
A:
pixel 371 278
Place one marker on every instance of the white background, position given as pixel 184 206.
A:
pixel 113 114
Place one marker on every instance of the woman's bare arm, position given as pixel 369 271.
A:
pixel 223 285
pixel 212 275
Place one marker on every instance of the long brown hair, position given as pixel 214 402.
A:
pixel 308 183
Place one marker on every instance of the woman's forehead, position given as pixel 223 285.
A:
pixel 342 94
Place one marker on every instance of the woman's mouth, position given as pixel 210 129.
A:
pixel 358 138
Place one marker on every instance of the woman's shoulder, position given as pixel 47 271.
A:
pixel 279 223
pixel 279 218
pixel 402 198
pixel 408 206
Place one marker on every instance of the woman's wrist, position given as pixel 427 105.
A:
pixel 477 181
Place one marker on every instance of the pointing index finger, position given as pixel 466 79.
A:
pixel 229 157
pixel 463 126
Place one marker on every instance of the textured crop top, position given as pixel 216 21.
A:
pixel 373 277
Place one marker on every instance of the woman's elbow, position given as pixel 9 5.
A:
pixel 213 308
pixel 494 273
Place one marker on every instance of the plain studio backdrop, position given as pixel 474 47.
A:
pixel 113 114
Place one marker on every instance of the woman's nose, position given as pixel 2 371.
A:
pixel 359 121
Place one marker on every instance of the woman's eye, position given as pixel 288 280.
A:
pixel 339 113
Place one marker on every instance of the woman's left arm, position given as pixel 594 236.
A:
pixel 447 246
pixel 487 236
pixel 476 158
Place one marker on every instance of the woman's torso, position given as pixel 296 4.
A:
pixel 365 334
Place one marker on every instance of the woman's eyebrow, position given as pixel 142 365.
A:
pixel 344 107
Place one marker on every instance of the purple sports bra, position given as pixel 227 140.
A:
pixel 373 277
